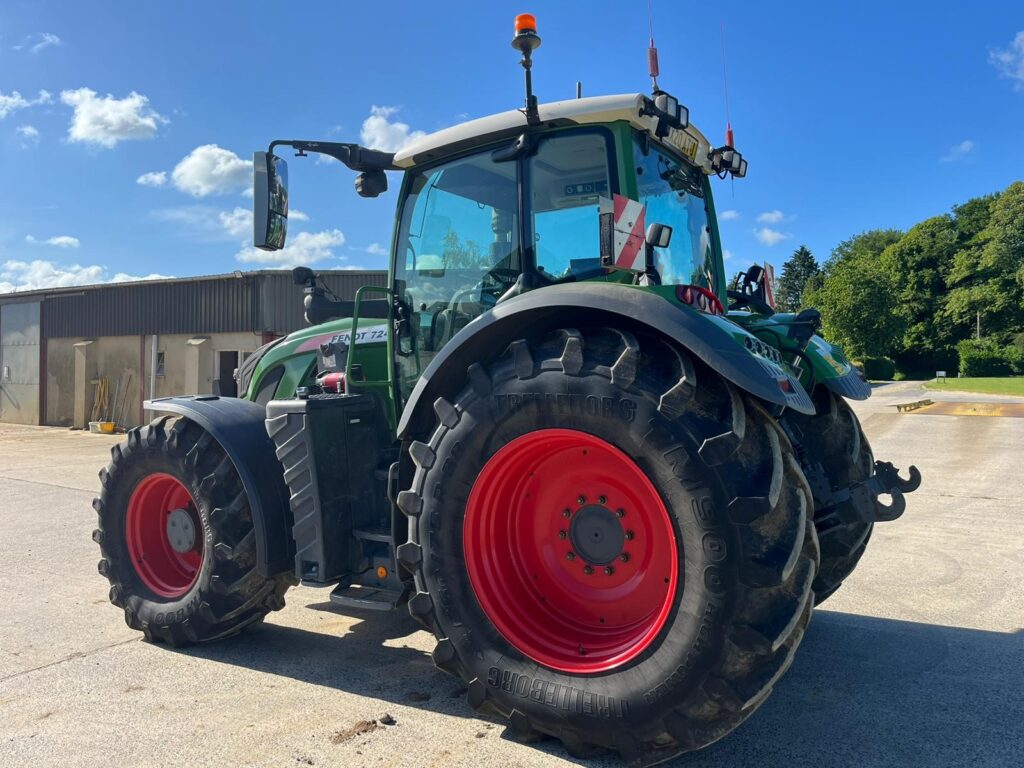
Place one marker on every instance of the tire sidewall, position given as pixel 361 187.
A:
pixel 676 661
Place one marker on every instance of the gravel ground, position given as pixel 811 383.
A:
pixel 917 660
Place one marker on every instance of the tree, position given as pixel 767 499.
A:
pixel 856 297
pixel 798 269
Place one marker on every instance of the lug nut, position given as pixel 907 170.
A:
pixel 581 499
pixel 566 513
pixel 602 499
pixel 587 570
pixel 562 534
pixel 629 535
pixel 624 557
pixel 570 555
pixel 608 570
pixel 620 513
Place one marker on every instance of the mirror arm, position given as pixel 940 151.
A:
pixel 354 156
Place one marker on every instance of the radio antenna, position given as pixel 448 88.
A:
pixel 728 117
pixel 652 52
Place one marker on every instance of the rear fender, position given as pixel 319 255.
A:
pixel 714 340
pixel 833 370
pixel 239 427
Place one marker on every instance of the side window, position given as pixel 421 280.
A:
pixel 567 175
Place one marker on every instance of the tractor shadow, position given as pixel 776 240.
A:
pixel 863 691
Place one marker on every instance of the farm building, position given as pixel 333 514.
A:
pixel 68 355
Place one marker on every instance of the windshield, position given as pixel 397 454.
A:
pixel 673 193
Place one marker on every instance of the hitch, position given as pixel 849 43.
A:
pixel 864 505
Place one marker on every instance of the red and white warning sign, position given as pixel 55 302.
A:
pixel 769 285
pixel 622 233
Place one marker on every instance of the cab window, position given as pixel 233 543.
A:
pixel 673 192
pixel 567 174
pixel 458 251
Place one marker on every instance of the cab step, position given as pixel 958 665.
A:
pixel 371 598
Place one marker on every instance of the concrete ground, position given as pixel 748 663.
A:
pixel 917 660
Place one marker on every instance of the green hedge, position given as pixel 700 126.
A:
pixel 984 357
pixel 877 368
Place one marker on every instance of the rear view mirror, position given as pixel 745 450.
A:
pixel 270 201
pixel 659 235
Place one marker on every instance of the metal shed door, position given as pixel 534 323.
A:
pixel 19 363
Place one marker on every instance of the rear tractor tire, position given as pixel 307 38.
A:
pixel 611 545
pixel 176 537
pixel 833 438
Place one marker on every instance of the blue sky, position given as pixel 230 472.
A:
pixel 126 128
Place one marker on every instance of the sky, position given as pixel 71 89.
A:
pixel 127 129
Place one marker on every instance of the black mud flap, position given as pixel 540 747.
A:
pixel 864 506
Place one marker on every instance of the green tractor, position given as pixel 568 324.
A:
pixel 612 487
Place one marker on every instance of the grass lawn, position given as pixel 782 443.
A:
pixel 1007 385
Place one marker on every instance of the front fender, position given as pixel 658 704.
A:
pixel 833 370
pixel 239 426
pixel 714 340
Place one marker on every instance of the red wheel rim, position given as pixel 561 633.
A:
pixel 537 501
pixel 167 568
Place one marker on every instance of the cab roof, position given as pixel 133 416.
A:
pixel 596 109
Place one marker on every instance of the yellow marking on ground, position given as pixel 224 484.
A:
pixel 1011 410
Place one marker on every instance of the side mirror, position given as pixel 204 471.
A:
pixel 303 276
pixel 659 235
pixel 269 201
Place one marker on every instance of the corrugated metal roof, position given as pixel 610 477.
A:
pixel 259 302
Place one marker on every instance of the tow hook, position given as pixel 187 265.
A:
pixel 865 506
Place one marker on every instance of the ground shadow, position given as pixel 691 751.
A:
pixel 863 691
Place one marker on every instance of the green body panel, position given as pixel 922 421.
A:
pixel 826 360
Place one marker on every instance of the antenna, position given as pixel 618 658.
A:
pixel 725 80
pixel 579 89
pixel 652 52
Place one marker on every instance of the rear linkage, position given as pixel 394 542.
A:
pixel 864 506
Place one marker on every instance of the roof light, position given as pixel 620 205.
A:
pixel 526 22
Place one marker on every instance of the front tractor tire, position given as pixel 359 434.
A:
pixel 611 545
pixel 176 537
pixel 832 443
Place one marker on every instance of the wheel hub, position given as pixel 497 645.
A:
pixel 596 534
pixel 181 531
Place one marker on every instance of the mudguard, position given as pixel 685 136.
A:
pixel 833 370
pixel 716 341
pixel 239 427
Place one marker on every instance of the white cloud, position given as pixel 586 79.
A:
pixel 238 222
pixel 152 179
pixel 958 151
pixel 103 121
pixel 768 236
pixel 771 217
pixel 729 215
pixel 29 135
pixel 211 170
pixel 376 249
pixel 44 40
pixel 1010 61
pixel 60 241
pixel 37 274
pixel 726 254
pixel 294 214
pixel 37 42
pixel 9 102
pixel 302 249
pixel 380 133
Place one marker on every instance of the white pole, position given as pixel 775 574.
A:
pixel 152 366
